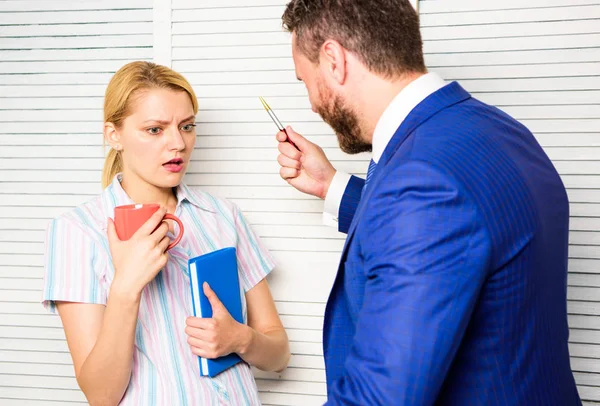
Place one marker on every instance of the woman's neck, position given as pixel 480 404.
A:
pixel 142 192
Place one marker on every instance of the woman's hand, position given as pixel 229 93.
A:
pixel 217 336
pixel 138 260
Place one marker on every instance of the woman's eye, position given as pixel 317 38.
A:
pixel 188 127
pixel 154 130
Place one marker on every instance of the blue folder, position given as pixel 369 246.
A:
pixel 219 269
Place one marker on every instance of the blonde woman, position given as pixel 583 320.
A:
pixel 125 305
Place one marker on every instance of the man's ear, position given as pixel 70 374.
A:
pixel 112 136
pixel 333 61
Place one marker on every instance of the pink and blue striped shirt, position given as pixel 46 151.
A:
pixel 165 371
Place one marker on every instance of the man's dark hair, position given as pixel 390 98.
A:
pixel 384 34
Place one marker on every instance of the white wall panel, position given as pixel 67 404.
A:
pixel 55 61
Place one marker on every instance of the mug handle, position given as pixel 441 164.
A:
pixel 169 216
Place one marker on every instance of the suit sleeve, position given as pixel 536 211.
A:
pixel 425 259
pixel 349 203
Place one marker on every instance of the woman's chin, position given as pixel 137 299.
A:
pixel 170 178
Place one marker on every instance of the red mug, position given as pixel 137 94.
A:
pixel 129 218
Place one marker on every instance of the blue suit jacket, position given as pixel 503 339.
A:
pixel 452 284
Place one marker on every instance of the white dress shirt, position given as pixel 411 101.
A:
pixel 392 117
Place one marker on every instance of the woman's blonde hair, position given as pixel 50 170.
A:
pixel 126 81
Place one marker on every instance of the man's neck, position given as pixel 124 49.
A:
pixel 375 96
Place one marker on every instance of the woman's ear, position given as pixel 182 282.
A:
pixel 112 136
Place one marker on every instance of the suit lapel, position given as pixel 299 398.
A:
pixel 443 98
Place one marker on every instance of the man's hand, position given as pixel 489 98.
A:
pixel 306 167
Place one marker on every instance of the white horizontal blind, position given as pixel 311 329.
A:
pixel 232 52
pixel 538 60
pixel 56 58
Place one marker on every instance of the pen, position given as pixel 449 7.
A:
pixel 276 120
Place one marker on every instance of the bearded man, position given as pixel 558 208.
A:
pixel 451 289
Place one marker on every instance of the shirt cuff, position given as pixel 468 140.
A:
pixel 334 198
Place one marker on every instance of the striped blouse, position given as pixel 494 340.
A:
pixel 165 371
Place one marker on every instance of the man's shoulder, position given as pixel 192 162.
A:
pixel 467 132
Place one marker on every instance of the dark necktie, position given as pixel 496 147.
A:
pixel 372 166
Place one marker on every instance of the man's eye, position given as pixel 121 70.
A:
pixel 188 127
pixel 154 130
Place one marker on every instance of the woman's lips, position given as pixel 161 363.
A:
pixel 174 165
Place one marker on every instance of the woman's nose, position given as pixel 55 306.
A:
pixel 176 140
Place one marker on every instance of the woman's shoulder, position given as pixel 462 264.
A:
pixel 89 217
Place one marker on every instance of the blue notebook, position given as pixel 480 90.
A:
pixel 219 269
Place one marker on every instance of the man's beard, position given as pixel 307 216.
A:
pixel 344 122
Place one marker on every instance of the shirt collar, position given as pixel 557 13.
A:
pixel 115 196
pixel 198 199
pixel 400 107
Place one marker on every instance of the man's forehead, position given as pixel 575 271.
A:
pixel 294 44
pixel 294 51
pixel 297 52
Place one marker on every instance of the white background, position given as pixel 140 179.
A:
pixel 538 60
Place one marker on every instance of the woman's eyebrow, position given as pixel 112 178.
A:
pixel 153 120
pixel 165 122
pixel 192 117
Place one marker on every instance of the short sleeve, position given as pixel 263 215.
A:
pixel 254 260
pixel 70 260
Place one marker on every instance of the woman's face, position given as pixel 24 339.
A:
pixel 157 139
